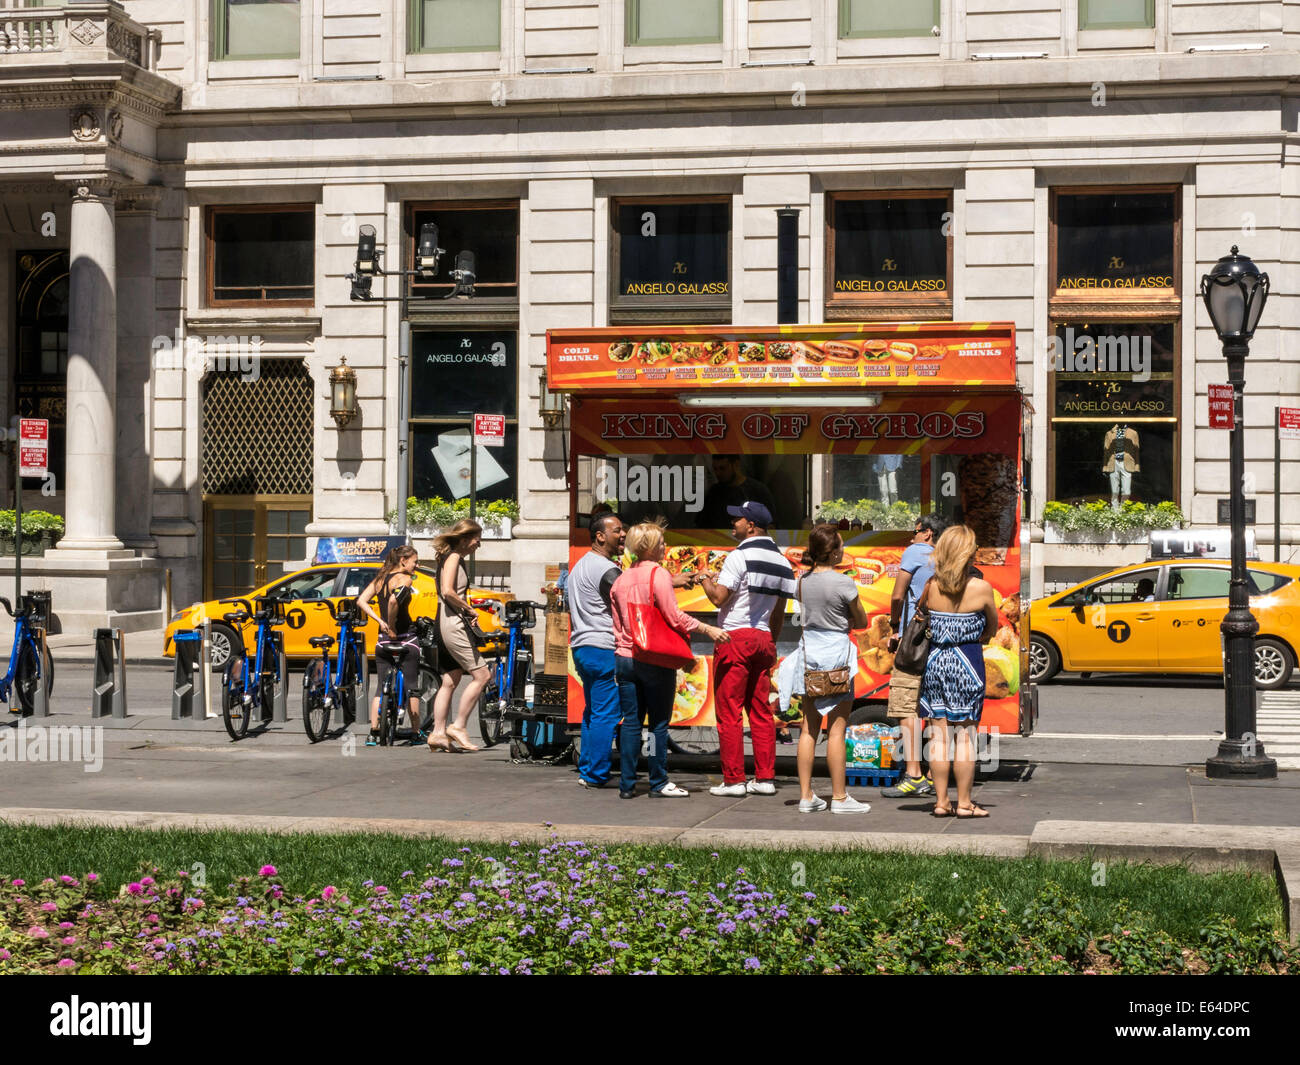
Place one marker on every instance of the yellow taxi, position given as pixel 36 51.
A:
pixel 305 618
pixel 1163 617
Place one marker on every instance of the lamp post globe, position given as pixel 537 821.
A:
pixel 1234 292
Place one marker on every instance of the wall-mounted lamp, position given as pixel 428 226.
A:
pixel 551 404
pixel 343 393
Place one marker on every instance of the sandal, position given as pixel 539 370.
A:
pixel 460 739
pixel 941 811
pixel 976 810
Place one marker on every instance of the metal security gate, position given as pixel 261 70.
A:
pixel 257 474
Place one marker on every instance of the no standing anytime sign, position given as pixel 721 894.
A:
pixel 33 447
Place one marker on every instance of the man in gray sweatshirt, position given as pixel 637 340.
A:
pixel 591 639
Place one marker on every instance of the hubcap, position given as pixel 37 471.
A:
pixel 1037 660
pixel 220 648
pixel 1268 665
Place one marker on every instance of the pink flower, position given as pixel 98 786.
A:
pixel 146 880
pixel 67 941
pixel 67 963
pixel 329 893
pixel 182 874
pixel 381 890
pixel 151 918
pixel 19 883
pixel 134 889
pixel 68 880
pixel 4 954
pixel 266 870
pixel 49 907
pixel 36 932
pixel 92 877
pixel 108 944
pixel 66 924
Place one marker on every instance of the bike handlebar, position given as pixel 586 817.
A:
pixel 8 609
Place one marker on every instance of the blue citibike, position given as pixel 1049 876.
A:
pixel 506 691
pixel 393 696
pixel 342 685
pixel 26 670
pixel 248 688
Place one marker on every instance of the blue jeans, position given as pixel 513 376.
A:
pixel 600 717
pixel 647 694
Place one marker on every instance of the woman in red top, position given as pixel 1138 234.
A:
pixel 646 692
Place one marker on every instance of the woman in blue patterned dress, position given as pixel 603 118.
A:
pixel 962 618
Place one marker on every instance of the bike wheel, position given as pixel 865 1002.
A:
pixel 26 681
pixel 315 711
pixel 234 714
pixel 491 707
pixel 352 684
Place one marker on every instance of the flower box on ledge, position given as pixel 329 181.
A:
pixel 1052 534
pixel 501 531
pixel 1097 522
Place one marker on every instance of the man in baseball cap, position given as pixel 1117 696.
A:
pixel 750 594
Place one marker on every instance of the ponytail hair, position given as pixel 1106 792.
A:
pixel 395 558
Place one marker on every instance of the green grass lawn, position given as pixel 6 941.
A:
pixel 1181 901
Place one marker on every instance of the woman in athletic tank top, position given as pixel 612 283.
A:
pixel 392 586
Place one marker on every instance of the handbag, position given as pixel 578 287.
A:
pixel 818 683
pixel 481 640
pixel 654 641
pixel 914 643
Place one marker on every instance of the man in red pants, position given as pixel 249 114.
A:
pixel 750 595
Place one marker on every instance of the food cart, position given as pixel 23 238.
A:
pixel 910 419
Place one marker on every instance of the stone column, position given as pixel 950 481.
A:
pixel 136 328
pixel 92 372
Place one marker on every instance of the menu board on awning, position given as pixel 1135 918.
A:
pixel 833 356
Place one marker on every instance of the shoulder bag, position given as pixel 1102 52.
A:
pixel 914 643
pixel 654 641
pixel 818 683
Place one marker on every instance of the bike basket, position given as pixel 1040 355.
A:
pixel 521 610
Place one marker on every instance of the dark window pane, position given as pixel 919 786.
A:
pixel 1130 588
pixel 460 371
pixel 1123 369
pixel 440 463
pixel 263 255
pixel 674 249
pixel 492 234
pixel 1115 240
pixel 1082 457
pixel 890 246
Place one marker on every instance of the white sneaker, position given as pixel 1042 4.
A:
pixel 849 805
pixel 761 787
pixel 735 791
pixel 670 791
pixel 812 806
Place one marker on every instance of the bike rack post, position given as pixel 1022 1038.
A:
pixel 186 690
pixel 108 695
pixel 40 702
pixel 205 674
pixel 280 700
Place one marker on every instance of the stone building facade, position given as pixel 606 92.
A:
pixel 183 182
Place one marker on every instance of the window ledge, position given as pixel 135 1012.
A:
pixel 1143 37
pixel 274 321
pixel 894 311
pixel 441 62
pixel 254 69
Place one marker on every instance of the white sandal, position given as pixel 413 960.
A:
pixel 670 791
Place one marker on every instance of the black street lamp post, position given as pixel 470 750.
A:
pixel 1234 292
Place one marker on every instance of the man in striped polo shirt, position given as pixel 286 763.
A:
pixel 750 594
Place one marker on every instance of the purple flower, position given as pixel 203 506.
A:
pixel 753 963
pixel 266 870
pixel 727 927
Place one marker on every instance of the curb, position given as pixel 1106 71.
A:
pixel 1203 848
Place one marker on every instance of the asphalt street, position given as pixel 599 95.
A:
pixel 1106 750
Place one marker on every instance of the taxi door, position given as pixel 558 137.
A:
pixel 1115 625
pixel 302 619
pixel 1195 602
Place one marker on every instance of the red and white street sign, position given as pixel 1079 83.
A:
pixel 33 447
pixel 1222 407
pixel 490 430
pixel 1288 423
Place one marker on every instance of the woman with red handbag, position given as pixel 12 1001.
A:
pixel 650 646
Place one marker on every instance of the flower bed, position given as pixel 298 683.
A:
pixel 1099 522
pixel 573 908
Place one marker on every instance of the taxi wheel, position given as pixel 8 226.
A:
pixel 1273 663
pixel 1044 659
pixel 223 641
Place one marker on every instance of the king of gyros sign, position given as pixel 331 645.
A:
pixel 833 356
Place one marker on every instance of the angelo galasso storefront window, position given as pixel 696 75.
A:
pixel 1112 352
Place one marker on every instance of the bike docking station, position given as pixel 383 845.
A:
pixel 190 688
pixel 108 693
pixel 38 603
pixel 280 696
